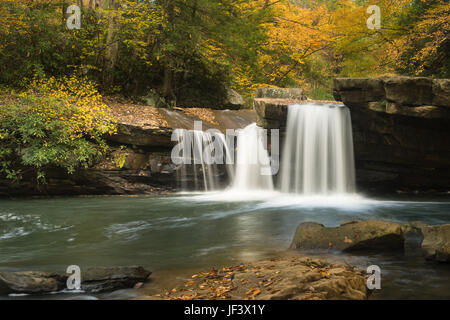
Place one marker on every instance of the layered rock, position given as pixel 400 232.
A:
pixel 424 98
pixel 271 105
pixel 400 131
pixel 93 280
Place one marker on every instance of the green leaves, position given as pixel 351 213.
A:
pixel 49 127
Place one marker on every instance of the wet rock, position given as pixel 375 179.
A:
pixel 30 282
pixel 436 242
pixel 372 235
pixel 412 233
pixel 93 280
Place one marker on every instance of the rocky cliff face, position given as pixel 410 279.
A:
pixel 401 131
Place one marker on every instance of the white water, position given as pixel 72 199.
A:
pixel 198 159
pixel 253 170
pixel 318 151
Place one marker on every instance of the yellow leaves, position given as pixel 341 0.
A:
pixel 75 102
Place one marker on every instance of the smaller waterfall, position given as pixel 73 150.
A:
pixel 253 170
pixel 199 160
pixel 318 150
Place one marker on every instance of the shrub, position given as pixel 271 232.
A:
pixel 54 123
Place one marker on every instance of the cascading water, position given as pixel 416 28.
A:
pixel 253 170
pixel 197 159
pixel 318 151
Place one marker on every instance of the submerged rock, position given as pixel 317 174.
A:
pixel 93 280
pixel 350 236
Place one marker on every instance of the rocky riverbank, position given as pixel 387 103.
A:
pixel 376 236
pixel 93 280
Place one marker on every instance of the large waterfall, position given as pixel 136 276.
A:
pixel 253 171
pixel 317 156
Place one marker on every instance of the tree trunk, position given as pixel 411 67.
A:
pixel 168 81
pixel 167 91
pixel 112 44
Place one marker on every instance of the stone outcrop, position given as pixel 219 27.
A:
pixel 369 235
pixel 129 134
pixel 291 278
pixel 271 105
pixel 412 238
pixel 401 129
pixel 424 98
pixel 93 280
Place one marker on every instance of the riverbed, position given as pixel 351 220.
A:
pixel 173 235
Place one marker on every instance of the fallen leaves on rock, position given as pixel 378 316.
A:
pixel 203 114
pixel 293 278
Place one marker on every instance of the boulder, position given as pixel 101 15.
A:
pixel 154 99
pixel 436 242
pixel 233 99
pixel 93 280
pixel 355 235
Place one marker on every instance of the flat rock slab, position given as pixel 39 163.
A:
pixel 93 280
pixel 294 278
pixel 355 235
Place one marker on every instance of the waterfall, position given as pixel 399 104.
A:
pixel 318 151
pixel 253 170
pixel 199 155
